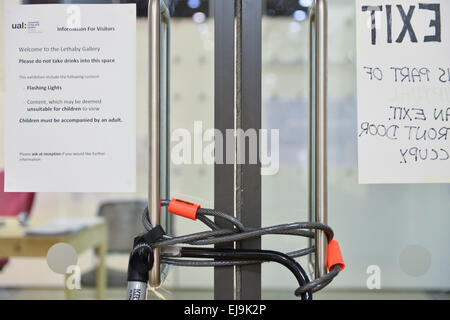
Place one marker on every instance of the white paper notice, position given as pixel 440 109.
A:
pixel 70 118
pixel 403 76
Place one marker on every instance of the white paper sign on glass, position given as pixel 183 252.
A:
pixel 70 116
pixel 403 80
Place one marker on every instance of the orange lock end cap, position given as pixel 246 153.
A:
pixel 334 255
pixel 184 208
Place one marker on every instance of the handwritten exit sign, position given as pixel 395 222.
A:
pixel 403 78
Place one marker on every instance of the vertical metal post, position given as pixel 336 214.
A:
pixel 318 130
pixel 158 119
pixel 248 117
pixel 224 120
pixel 238 107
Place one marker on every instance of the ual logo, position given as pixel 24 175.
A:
pixel 22 25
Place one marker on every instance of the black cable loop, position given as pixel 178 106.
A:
pixel 256 255
pixel 236 257
pixel 319 283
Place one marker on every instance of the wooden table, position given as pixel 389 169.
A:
pixel 15 243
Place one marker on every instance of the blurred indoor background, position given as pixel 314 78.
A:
pixel 389 226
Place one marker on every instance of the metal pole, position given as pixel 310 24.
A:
pixel 158 110
pixel 248 117
pixel 311 158
pixel 318 130
pixel 224 96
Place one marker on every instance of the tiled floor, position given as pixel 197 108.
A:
pixel 119 294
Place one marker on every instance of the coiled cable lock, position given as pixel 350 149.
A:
pixel 141 257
